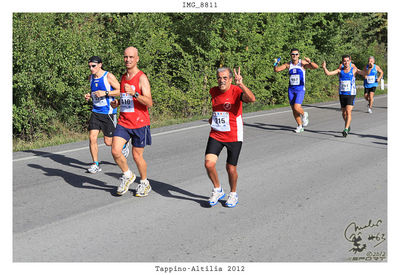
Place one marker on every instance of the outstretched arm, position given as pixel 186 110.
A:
pixel 335 72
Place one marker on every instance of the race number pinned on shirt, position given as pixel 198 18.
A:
pixel 220 121
pixel 99 101
pixel 294 79
pixel 126 103
pixel 345 85
pixel 371 79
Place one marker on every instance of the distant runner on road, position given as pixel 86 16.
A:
pixel 347 88
pixel 297 88
pixel 371 82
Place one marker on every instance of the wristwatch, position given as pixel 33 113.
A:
pixel 136 95
pixel 106 93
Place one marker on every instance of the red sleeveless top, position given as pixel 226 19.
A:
pixel 133 114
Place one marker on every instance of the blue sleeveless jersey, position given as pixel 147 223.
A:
pixel 347 82
pixel 372 78
pixel 101 104
pixel 297 77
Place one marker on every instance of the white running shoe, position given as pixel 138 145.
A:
pixel 299 129
pixel 125 150
pixel 94 168
pixel 217 194
pixel 124 184
pixel 232 200
pixel 304 119
pixel 143 188
pixel 369 110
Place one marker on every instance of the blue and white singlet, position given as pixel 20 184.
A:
pixel 101 104
pixel 347 82
pixel 371 80
pixel 297 77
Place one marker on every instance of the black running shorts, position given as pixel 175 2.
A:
pixel 369 90
pixel 215 147
pixel 347 100
pixel 104 122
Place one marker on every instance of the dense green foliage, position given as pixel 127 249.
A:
pixel 179 52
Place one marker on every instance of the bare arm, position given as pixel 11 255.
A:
pixel 380 72
pixel 144 85
pixel 248 95
pixel 335 72
pixel 281 67
pixel 306 62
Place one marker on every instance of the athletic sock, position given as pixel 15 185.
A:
pixel 97 163
pixel 128 174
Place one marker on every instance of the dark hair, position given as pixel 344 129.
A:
pixel 346 56
pixel 95 59
pixel 294 49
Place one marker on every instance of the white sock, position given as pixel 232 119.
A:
pixel 128 174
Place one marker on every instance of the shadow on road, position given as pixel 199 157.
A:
pixel 338 134
pixel 62 159
pixel 74 180
pixel 170 191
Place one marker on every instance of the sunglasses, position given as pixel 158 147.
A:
pixel 294 54
pixel 92 66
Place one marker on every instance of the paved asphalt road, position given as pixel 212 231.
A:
pixel 302 197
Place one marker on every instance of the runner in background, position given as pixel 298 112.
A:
pixel 371 82
pixel 297 89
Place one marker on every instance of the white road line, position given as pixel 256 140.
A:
pixel 176 131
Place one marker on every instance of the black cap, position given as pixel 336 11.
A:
pixel 95 59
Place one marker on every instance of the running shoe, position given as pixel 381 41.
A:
pixel 232 200
pixel 304 119
pixel 217 194
pixel 125 150
pixel 94 168
pixel 299 129
pixel 369 110
pixel 143 188
pixel 124 183
pixel 345 132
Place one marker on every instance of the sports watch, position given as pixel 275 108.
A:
pixel 136 95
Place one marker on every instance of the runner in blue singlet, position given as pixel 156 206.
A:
pixel 371 82
pixel 297 79
pixel 104 87
pixel 347 88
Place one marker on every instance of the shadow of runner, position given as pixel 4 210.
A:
pixel 62 159
pixel 74 180
pixel 167 190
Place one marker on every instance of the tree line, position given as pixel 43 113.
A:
pixel 180 53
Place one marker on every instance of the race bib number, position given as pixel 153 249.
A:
pixel 294 79
pixel 370 79
pixel 99 101
pixel 345 85
pixel 220 121
pixel 126 103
